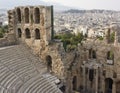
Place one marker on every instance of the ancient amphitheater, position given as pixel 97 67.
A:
pixel 22 72
pixel 32 61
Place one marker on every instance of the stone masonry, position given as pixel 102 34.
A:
pixel 93 67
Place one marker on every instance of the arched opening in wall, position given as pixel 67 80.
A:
pixel 74 83
pixel 49 63
pixel 37 15
pixel 19 33
pixel 37 34
pixel 108 85
pixel 118 87
pixel 19 15
pixel 27 33
pixel 26 11
pixel 94 54
pixel 110 57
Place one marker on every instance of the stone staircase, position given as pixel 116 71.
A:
pixel 23 72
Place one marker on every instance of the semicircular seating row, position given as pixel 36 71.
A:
pixel 23 72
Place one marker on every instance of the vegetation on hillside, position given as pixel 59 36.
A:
pixel 70 41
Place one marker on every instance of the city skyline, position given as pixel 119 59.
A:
pixel 81 4
pixel 93 4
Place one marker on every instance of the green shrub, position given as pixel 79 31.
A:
pixel 70 41
pixel 100 38
pixel 71 47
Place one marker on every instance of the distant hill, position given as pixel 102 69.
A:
pixel 86 11
pixel 3 11
pixel 6 4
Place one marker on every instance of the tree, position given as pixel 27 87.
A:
pixel 69 40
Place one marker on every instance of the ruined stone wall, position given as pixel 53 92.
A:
pixel 9 39
pixel 33 25
pixel 105 68
pixel 107 56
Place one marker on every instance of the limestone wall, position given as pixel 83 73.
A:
pixel 8 40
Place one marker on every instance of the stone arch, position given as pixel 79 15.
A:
pixel 37 15
pixel 26 11
pixel 19 15
pixel 27 33
pixel 49 62
pixel 74 83
pixel 37 33
pixel 19 33
pixel 108 85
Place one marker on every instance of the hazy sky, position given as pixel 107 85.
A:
pixel 90 4
pixel 84 4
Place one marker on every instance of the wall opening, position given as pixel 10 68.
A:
pixel 19 15
pixel 74 83
pixel 49 63
pixel 110 57
pixel 37 15
pixel 108 85
pixel 94 54
pixel 26 15
pixel 91 74
pixel 37 34
pixel 19 33
pixel 27 33
pixel 90 52
pixel 118 87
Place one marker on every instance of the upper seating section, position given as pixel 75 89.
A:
pixel 22 72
